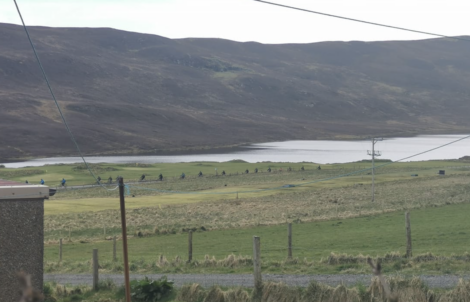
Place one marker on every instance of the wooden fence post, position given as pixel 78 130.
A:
pixel 95 269
pixel 289 241
pixel 409 252
pixel 190 246
pixel 114 249
pixel 60 250
pixel 257 263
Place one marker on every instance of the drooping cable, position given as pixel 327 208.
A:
pixel 362 21
pixel 54 98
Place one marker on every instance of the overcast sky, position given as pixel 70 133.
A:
pixel 248 20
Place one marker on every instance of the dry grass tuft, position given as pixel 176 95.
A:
pixel 162 262
pixel 279 292
pixel 401 289
pixel 320 292
pixel 215 294
pixel 191 293
pixel 237 295
pixel 460 293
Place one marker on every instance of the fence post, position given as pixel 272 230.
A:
pixel 289 241
pixel 257 263
pixel 60 250
pixel 114 249
pixel 408 235
pixel 95 269
pixel 190 246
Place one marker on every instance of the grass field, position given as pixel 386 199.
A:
pixel 438 230
pixel 307 204
pixel 330 215
pixel 78 175
pixel 210 188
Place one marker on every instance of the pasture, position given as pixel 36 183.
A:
pixel 330 215
pixel 330 208
pixel 332 246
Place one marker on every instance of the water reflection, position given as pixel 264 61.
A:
pixel 321 151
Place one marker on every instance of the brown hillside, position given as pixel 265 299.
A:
pixel 126 92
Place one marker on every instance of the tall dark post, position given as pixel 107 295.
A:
pixel 95 270
pixel 190 246
pixel 124 239
pixel 257 264
pixel 289 241
pixel 409 252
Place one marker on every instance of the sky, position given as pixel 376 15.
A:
pixel 249 20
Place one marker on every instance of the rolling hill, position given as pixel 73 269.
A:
pixel 125 92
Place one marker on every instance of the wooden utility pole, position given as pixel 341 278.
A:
pixel 374 154
pixel 60 250
pixel 289 241
pixel 124 239
pixel 95 269
pixel 257 263
pixel 114 249
pixel 409 252
pixel 190 246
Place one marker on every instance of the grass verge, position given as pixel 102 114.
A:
pixel 402 289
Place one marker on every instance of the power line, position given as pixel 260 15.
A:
pixel 53 96
pixel 250 191
pixel 362 21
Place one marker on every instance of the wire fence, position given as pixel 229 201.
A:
pixel 300 250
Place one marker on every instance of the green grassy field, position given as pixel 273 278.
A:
pixel 77 174
pixel 331 214
pixel 211 188
pixel 291 204
pixel 438 230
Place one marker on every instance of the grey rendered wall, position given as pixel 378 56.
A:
pixel 21 244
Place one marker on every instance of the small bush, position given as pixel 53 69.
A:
pixel 151 291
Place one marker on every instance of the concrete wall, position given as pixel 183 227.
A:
pixel 21 244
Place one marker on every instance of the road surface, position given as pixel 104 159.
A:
pixel 246 280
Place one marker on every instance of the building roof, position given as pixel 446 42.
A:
pixel 15 190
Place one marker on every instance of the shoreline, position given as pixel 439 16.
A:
pixel 331 151
pixel 220 149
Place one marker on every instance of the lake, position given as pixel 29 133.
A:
pixel 318 151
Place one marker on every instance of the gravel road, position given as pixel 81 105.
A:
pixel 208 280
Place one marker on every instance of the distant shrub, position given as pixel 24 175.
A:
pixel 19 173
pixel 96 168
pixel 140 165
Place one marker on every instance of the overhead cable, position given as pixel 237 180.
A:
pixel 54 98
pixel 363 21
pixel 305 183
